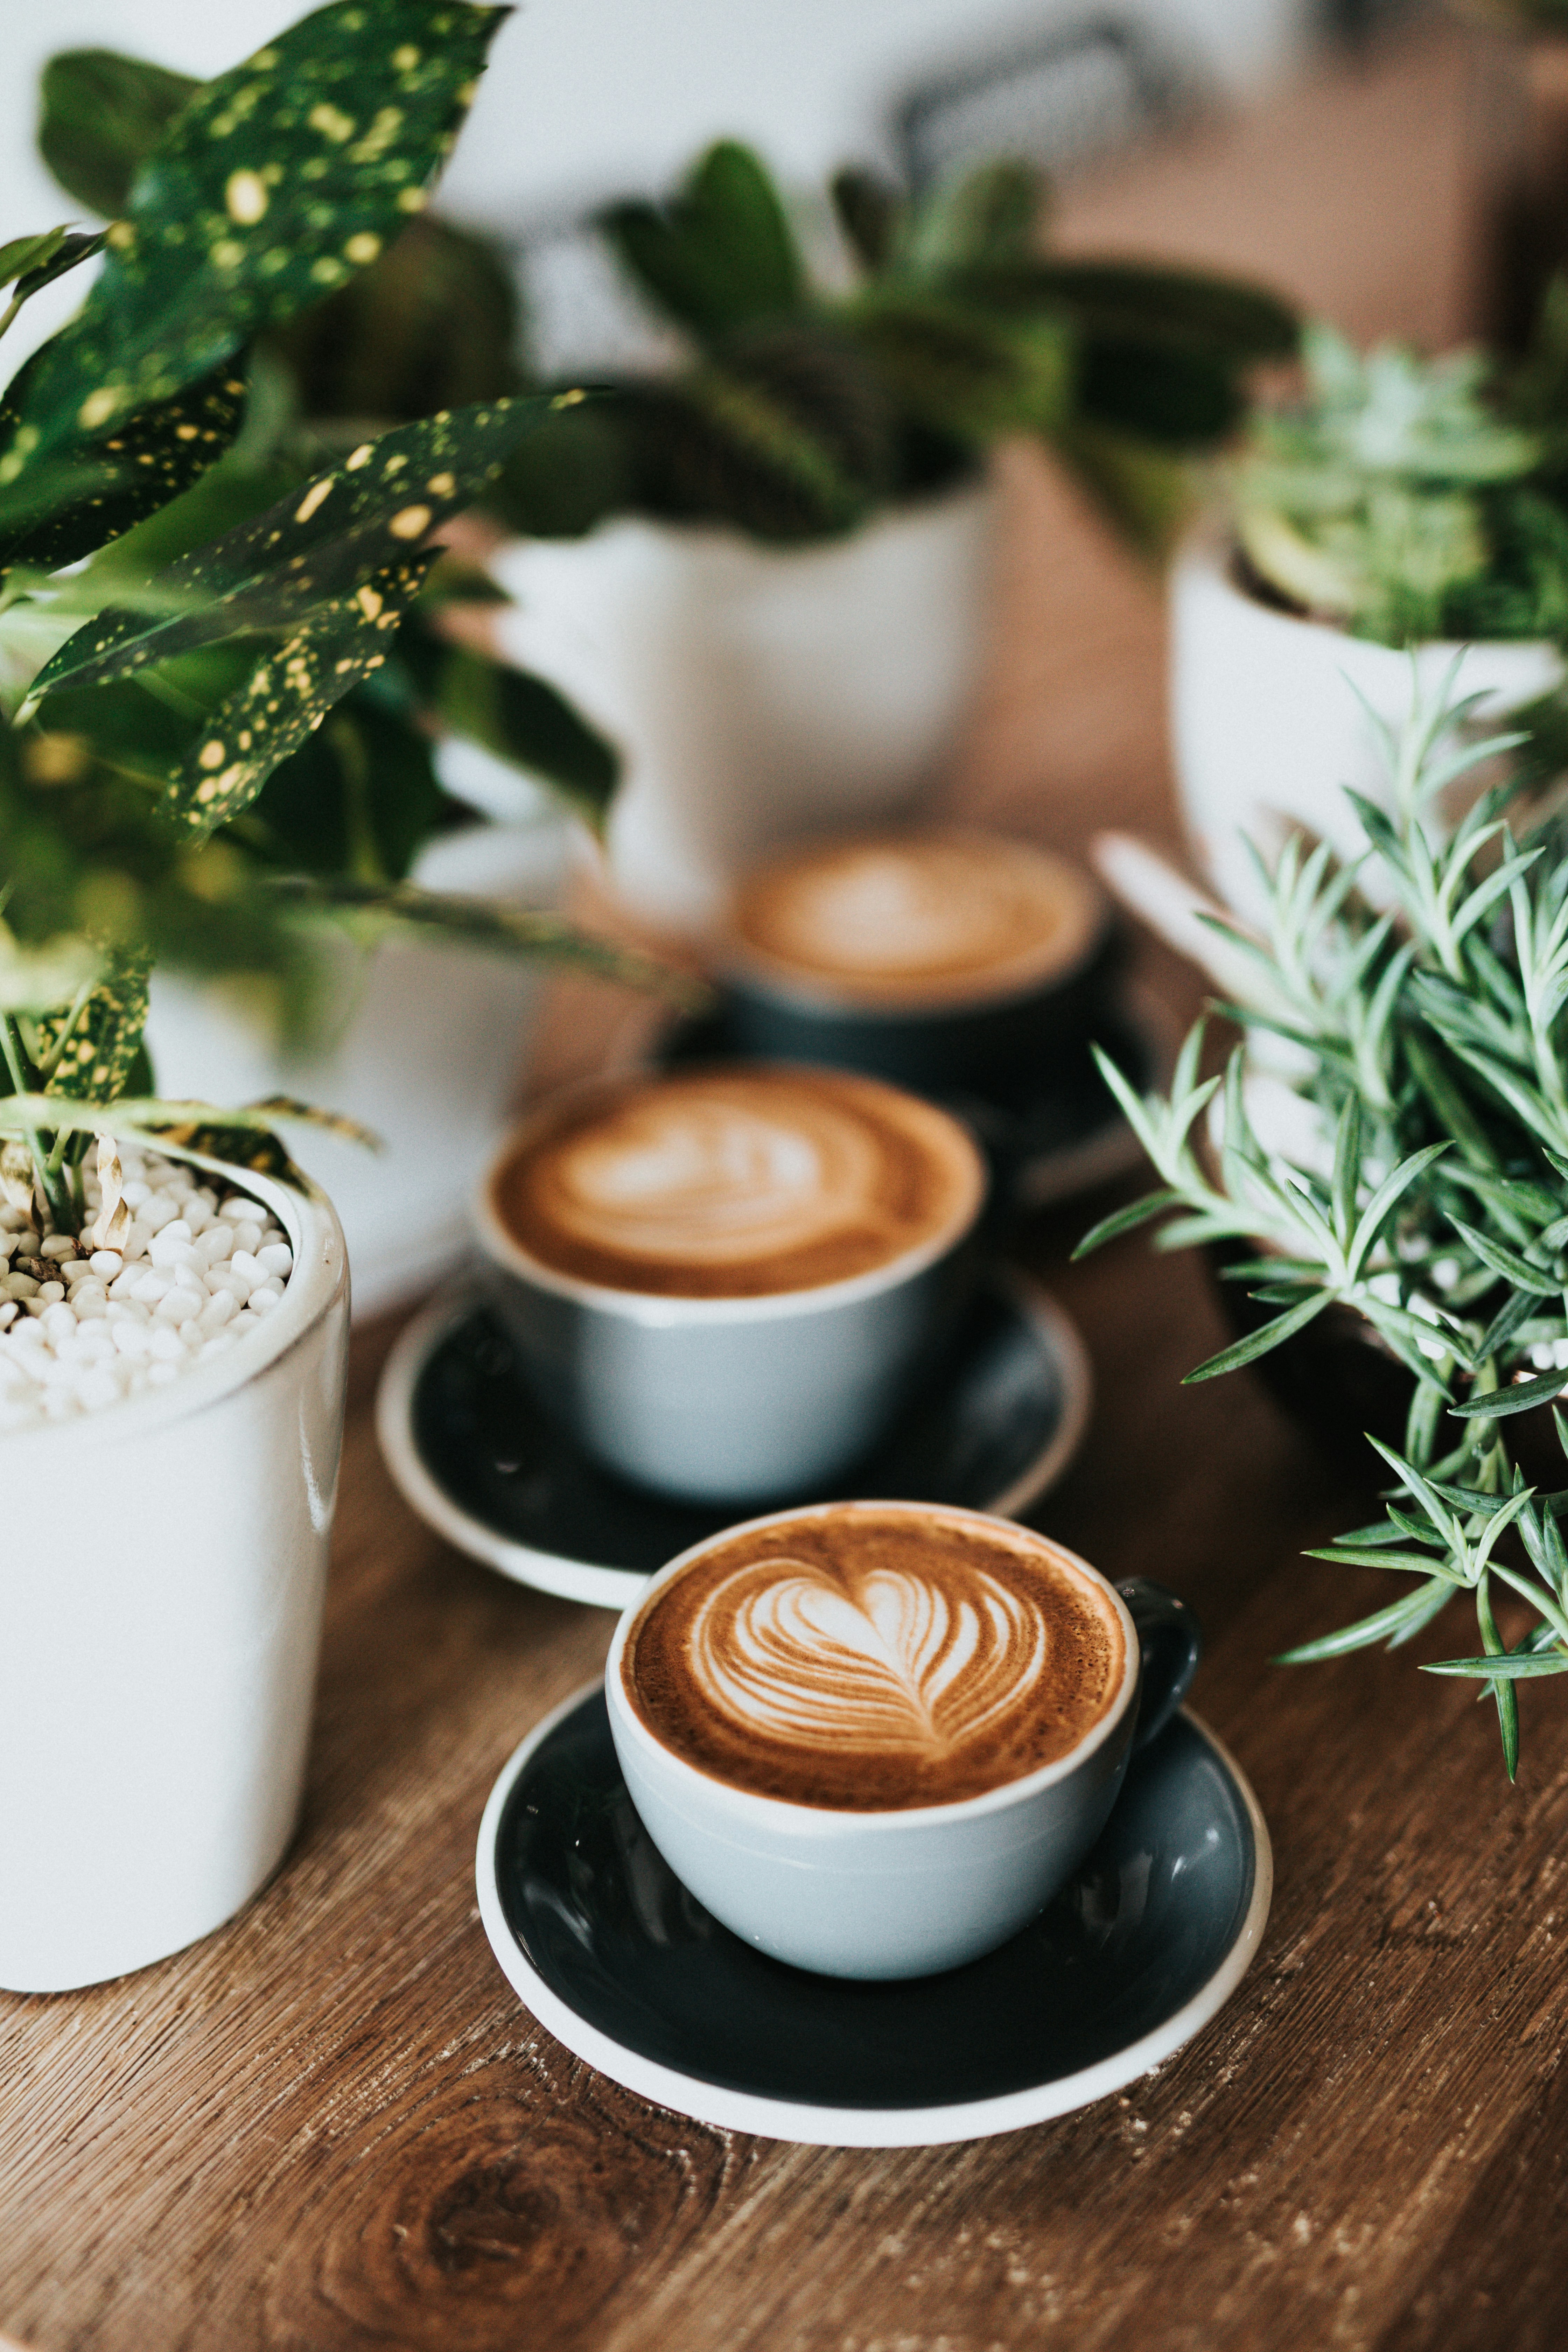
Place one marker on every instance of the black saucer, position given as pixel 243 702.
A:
pixel 1051 1132
pixel 607 1948
pixel 466 1442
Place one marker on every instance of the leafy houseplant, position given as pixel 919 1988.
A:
pixel 1397 503
pixel 251 524
pixel 1427 1044
pixel 161 1582
pixel 764 571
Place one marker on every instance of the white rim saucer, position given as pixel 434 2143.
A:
pixel 618 1587
pixel 828 2127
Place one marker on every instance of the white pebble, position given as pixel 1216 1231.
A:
pixel 120 1322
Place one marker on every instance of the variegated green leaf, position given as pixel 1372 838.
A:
pixel 65 511
pixel 318 544
pixel 273 185
pixel 92 1055
pixel 287 696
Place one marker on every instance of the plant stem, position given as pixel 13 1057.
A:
pixel 55 1195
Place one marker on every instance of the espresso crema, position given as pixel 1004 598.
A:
pixel 915 919
pixel 737 1182
pixel 873 1657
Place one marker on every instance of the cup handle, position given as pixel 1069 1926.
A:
pixel 1172 1645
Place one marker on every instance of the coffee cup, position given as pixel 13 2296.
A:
pixel 875 1739
pixel 725 1281
pixel 949 961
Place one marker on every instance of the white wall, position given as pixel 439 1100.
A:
pixel 584 97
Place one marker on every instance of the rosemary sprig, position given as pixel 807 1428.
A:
pixel 1398 1145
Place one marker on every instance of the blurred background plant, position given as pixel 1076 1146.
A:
pixel 809 402
pixel 1400 1149
pixel 214 735
pixel 1411 498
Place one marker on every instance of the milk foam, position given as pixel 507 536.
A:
pixel 876 1656
pixel 711 1181
pixel 738 1179
pixel 902 1663
pixel 922 917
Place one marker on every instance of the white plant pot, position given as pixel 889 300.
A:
pixel 160 1615
pixel 428 1050
pixel 1267 726
pixel 756 693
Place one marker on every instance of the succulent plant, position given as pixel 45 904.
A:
pixel 1411 498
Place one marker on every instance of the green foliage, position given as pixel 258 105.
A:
pixel 100 113
pixel 268 189
pixel 215 746
pixel 1427 1189
pixel 804 410
pixel 1414 499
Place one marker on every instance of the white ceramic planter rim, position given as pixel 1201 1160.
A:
pixel 828 2127
pixel 1213 547
pixel 804 1821
pixel 316 1275
pixel 661 1311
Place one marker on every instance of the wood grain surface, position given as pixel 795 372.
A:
pixel 332 2126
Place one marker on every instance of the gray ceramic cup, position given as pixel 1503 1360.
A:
pixel 909 1891
pixel 729 1400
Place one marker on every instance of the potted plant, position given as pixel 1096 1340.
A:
pixel 764 575
pixel 1399 1154
pixel 1398 506
pixel 420 1039
pixel 171 1349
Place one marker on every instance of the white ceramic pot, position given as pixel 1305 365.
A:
pixel 756 693
pixel 429 1047
pixel 1267 723
pixel 161 1591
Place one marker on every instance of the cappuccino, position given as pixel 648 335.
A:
pixel 915 921
pixel 875 1656
pixel 737 1181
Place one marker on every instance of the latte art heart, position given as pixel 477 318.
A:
pixel 898 1662
pixel 875 1655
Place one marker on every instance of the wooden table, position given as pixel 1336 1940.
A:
pixel 332 2126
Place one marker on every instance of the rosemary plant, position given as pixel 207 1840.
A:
pixel 1410 1013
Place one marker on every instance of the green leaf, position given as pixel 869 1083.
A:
pixel 38 976
pixel 1258 1343
pixel 871 211
pixel 320 543
pixel 527 722
pixel 1537 1280
pixel 101 114
pixel 287 697
pixel 27 253
pixel 1125 1221
pixel 961 372
pixel 1228 315
pixel 1519 1397
pixel 722 254
pixel 71 511
pixel 1513 1666
pixel 986 219
pixel 1409 1563
pixel 1394 1624
pixel 1378 1208
pixel 1176 396
pixel 503 931
pixel 93 1054
pixel 274 184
